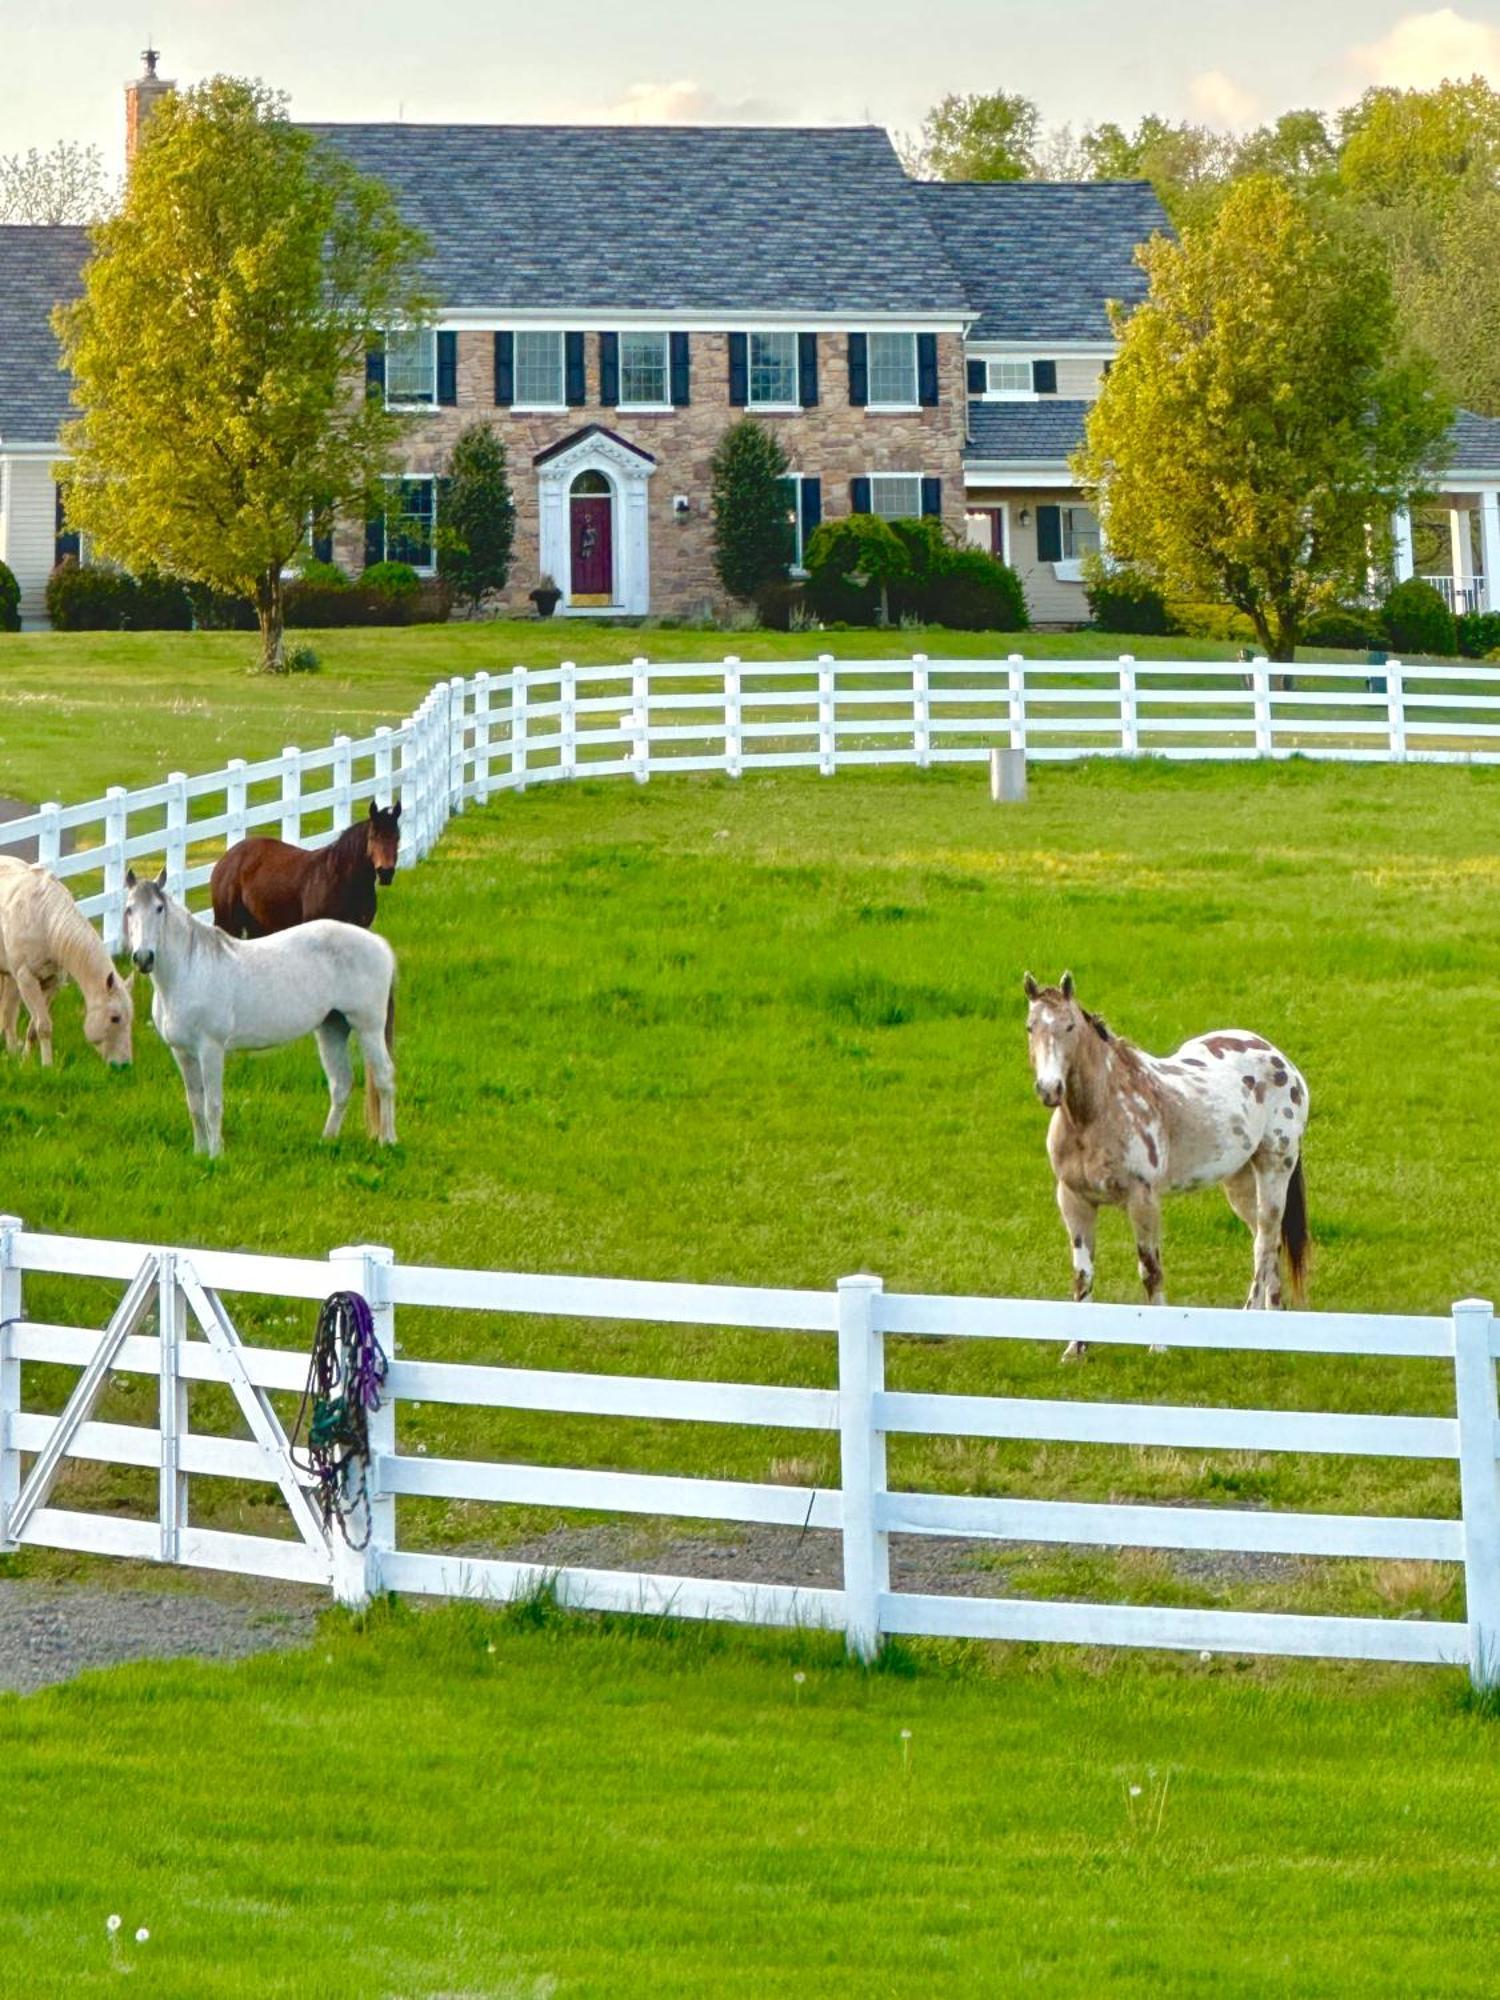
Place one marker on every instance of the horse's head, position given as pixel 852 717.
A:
pixel 383 839
pixel 146 908
pixel 1054 1024
pixel 108 1018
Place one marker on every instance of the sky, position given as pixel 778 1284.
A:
pixel 63 63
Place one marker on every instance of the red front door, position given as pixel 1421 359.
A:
pixel 593 552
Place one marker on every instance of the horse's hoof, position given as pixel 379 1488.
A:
pixel 1073 1351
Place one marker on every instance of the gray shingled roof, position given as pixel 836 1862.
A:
pixel 1040 258
pixel 686 219
pixel 39 268
pixel 1043 432
pixel 1474 444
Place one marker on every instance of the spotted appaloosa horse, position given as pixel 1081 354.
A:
pixel 1128 1128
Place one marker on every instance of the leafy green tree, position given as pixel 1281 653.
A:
pixel 476 516
pixel 1405 145
pixel 215 352
pixel 753 542
pixel 863 551
pixel 982 137
pixel 1188 165
pixel 1263 417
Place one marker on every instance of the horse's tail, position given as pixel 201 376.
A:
pixel 1294 1236
pixel 390 1015
pixel 224 889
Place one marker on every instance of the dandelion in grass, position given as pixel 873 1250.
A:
pixel 112 1924
pixel 1135 1791
pixel 142 1936
pixel 906 1753
pixel 799 1680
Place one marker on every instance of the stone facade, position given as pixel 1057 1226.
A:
pixel 835 441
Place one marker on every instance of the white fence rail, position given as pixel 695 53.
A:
pixel 171 1324
pixel 472 738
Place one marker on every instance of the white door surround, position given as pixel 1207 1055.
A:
pixel 628 470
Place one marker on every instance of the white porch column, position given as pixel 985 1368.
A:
pixel 1461 540
pixel 1401 531
pixel 1489 545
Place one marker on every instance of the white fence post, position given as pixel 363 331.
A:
pixel 343 780
pixel 458 725
pixel 828 742
pixel 1016 689
pixel 116 831
pixel 482 738
pixel 921 712
pixel 1479 1483
pixel 236 802
pixel 867 1561
pixel 1395 708
pixel 176 839
pixel 291 794
pixel 640 719
pixel 567 720
pixel 383 764
pixel 734 717
pixel 49 840
pixel 1130 729
pixel 1260 695
pixel 172 1407
pixel 404 786
pixel 370 1513
pixel 10 1373
pixel 518 728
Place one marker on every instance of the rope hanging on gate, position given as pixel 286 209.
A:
pixel 345 1375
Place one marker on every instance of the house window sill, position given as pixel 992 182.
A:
pixel 775 409
pixel 897 409
pixel 645 409
pixel 542 409
pixel 415 409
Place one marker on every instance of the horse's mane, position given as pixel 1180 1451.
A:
pixel 1099 1025
pixel 352 843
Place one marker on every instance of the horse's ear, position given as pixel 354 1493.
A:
pixel 1066 989
pixel 1032 989
pixel 129 878
pixel 111 982
pixel 161 880
pixel 374 809
pixel 396 810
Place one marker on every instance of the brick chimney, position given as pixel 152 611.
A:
pixel 141 96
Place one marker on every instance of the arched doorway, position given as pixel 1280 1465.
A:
pixel 591 539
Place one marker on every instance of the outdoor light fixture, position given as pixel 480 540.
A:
pixel 1025 517
pixel 681 504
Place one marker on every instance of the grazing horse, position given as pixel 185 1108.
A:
pixel 215 993
pixel 44 939
pixel 1128 1128
pixel 261 886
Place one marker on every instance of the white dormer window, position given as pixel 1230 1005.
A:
pixel 1010 378
pixel 893 371
pixel 411 368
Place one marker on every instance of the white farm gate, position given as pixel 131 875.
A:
pixel 171 1324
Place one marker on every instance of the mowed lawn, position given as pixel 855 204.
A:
pixel 521 1807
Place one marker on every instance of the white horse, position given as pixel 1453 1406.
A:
pixel 1128 1128
pixel 44 939
pixel 215 992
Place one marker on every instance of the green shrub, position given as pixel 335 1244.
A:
pixel 220 610
pixel 324 575
pixel 302 660
pixel 779 603
pixel 753 541
pixel 855 567
pixel 1478 634
pixel 161 604
pixel 1121 600
pixel 391 579
pixel 971 592
pixel 10 601
pixel 1417 620
pixel 88 597
pixel 1345 626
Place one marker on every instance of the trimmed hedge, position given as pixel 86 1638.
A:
pixel 971 592
pixel 10 601
pixel 1478 634
pixel 1417 620
pixel 939 582
pixel 1121 600
pixel 1346 627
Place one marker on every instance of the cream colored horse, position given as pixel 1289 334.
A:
pixel 44 940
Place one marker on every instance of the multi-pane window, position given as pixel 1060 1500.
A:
pixel 539 370
pixel 643 368
pixel 896 496
pixel 411 366
pixel 1010 378
pixel 773 368
pixel 893 368
pixel 410 511
pixel 1080 533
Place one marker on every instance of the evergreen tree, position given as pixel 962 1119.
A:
pixel 476 517
pixel 753 540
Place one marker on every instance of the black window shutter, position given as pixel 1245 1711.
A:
pixel 859 493
pixel 374 372
pixel 1044 377
pixel 979 380
pixel 374 539
pixel 1049 534
pixel 927 370
pixel 447 367
pixel 859 371
pixel 739 370
pixel 932 496
pixel 322 543
pixel 505 368
pixel 681 369
pixel 807 370
pixel 609 369
pixel 812 507
pixel 575 382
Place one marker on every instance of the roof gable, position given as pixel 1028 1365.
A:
pixel 40 267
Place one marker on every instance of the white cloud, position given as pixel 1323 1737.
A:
pixel 683 101
pixel 1216 96
pixel 1423 49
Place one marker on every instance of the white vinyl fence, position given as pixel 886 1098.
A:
pixel 491 733
pixel 172 1324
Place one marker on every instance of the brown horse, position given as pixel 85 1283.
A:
pixel 261 886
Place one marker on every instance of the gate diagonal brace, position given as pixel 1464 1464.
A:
pixel 265 1425
pixel 79 1407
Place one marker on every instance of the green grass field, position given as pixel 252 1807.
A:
pixel 770 1032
